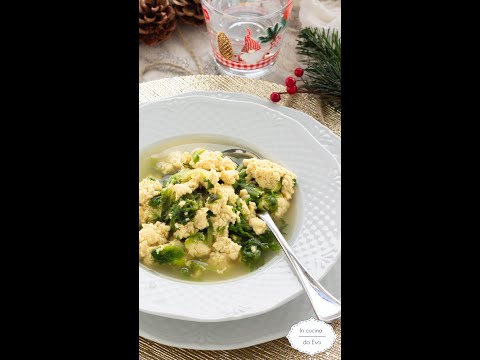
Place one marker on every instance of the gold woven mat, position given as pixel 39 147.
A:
pixel 158 89
pixel 273 350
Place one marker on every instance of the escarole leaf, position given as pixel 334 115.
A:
pixel 169 254
pixel 212 198
pixel 252 253
pixel 243 234
pixel 196 155
pixel 183 214
pixel 162 203
pixel 268 203
pixel 209 184
pixel 209 237
pixel 180 177
pixel 253 190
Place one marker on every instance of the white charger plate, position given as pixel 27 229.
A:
pixel 262 328
pixel 318 240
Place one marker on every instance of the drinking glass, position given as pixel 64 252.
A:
pixel 246 35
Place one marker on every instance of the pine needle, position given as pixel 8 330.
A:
pixel 322 50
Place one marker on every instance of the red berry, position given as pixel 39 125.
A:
pixel 292 89
pixel 298 72
pixel 275 97
pixel 290 81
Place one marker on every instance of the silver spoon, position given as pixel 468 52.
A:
pixel 325 305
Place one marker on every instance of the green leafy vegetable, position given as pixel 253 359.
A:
pixel 243 234
pixel 200 196
pixel 209 238
pixel 196 155
pixel 185 271
pixel 197 237
pixel 162 204
pixel 197 268
pixel 169 210
pixel 278 188
pixel 241 228
pixel 212 198
pixel 170 254
pixel 253 190
pixel 252 253
pixel 209 184
pixel 221 230
pixel 183 214
pixel 235 238
pixel 270 239
pixel 180 177
pixel 242 172
pixel 268 203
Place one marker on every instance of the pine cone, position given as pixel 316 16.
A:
pixel 190 11
pixel 156 21
pixel 224 46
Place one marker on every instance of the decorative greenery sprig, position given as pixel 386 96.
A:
pixel 322 51
pixel 272 34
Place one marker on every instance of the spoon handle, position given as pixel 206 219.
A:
pixel 324 304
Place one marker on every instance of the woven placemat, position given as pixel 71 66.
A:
pixel 309 104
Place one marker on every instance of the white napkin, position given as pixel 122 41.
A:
pixel 320 13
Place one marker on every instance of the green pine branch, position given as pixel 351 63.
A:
pixel 322 51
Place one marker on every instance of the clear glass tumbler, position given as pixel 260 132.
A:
pixel 246 35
